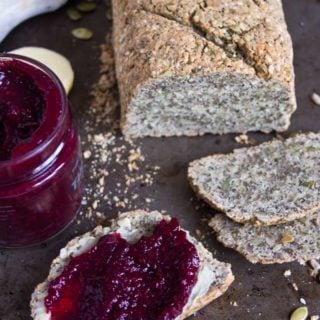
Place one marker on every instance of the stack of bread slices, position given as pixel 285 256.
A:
pixel 269 196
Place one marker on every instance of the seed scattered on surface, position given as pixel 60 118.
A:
pixel 82 33
pixel 300 314
pixel 74 14
pixel 86 6
pixel 315 98
pixel 287 238
pixel 303 301
pixel 316 317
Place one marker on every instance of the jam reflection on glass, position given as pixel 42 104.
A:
pixel 151 279
pixel 22 105
pixel 40 163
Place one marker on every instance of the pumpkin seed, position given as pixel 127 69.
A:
pixel 74 14
pixel 86 6
pixel 226 185
pixel 300 314
pixel 309 184
pixel 82 33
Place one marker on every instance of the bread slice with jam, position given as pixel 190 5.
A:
pixel 208 278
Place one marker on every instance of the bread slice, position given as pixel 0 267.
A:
pixel 189 67
pixel 213 280
pixel 293 241
pixel 273 183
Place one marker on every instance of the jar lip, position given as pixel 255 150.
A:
pixel 64 103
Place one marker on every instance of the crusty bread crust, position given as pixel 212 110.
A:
pixel 189 39
pixel 127 225
pixel 214 293
pixel 235 213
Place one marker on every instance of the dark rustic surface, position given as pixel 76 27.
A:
pixel 261 292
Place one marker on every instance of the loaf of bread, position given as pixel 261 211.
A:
pixel 190 67
pixel 275 182
pixel 293 241
pixel 214 277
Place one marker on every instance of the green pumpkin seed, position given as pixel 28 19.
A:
pixel 309 184
pixel 86 6
pixel 74 14
pixel 82 33
pixel 300 314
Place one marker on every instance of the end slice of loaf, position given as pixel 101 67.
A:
pixel 193 67
pixel 272 183
pixel 293 241
pixel 214 277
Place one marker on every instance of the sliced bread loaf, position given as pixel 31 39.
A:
pixel 192 67
pixel 297 240
pixel 272 183
pixel 214 277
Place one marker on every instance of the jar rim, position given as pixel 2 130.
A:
pixel 64 105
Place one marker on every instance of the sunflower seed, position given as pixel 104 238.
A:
pixel 86 6
pixel 82 33
pixel 74 14
pixel 300 314
pixel 287 238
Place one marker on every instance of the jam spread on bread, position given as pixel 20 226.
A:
pixel 150 279
pixel 22 105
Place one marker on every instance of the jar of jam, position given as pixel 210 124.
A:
pixel 40 158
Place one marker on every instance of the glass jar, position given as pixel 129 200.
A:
pixel 41 180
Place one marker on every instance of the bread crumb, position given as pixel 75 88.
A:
pixel 314 268
pixel 115 171
pixel 87 154
pixel 244 139
pixel 315 98
pixel 95 204
pixel 287 273
pixel 295 287
pixel 198 233
pixel 234 303
pixel 303 301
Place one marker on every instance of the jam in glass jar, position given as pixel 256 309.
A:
pixel 40 159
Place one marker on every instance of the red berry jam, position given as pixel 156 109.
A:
pixel 22 105
pixel 40 163
pixel 151 279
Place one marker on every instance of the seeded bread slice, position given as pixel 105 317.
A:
pixel 214 277
pixel 189 67
pixel 272 183
pixel 297 240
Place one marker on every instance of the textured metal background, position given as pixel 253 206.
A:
pixel 261 292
